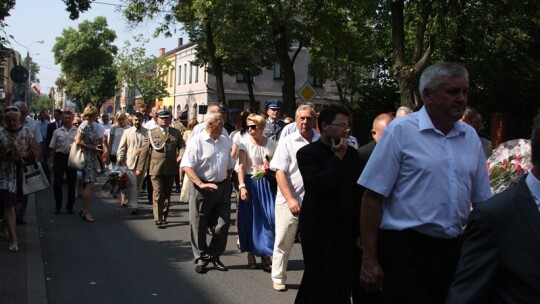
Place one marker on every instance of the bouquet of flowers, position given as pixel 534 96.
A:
pixel 116 182
pixel 508 164
pixel 264 169
pixel 10 152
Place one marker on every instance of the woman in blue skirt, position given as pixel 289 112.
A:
pixel 257 194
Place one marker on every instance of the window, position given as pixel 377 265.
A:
pixel 179 74
pixel 242 77
pixel 190 72
pixel 171 77
pixel 278 72
pixel 185 73
pixel 196 67
pixel 314 77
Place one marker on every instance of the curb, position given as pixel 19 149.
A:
pixel 35 270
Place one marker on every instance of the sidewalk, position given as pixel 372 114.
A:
pixel 22 276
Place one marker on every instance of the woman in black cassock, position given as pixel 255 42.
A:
pixel 330 169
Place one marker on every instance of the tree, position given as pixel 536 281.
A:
pixel 86 57
pixel 141 72
pixel 41 102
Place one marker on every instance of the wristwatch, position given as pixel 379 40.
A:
pixel 242 185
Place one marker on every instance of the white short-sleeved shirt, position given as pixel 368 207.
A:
pixel 428 179
pixel 31 124
pixel 209 158
pixel 256 154
pixel 287 130
pixel 285 159
pixel 151 124
pixel 62 139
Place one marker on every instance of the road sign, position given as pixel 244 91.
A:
pixel 19 74
pixel 307 92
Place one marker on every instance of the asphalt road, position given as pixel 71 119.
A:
pixel 126 259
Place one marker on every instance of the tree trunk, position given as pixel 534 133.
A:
pixel 217 63
pixel 252 101
pixel 407 75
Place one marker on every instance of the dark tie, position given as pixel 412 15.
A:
pixel 275 126
pixel 57 124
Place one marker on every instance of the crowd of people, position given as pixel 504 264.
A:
pixel 378 223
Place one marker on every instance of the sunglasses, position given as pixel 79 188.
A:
pixel 251 127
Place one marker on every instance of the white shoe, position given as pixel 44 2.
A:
pixel 13 248
pixel 280 287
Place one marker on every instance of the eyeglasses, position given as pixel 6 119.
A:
pixel 251 127
pixel 343 126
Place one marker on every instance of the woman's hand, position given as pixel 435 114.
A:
pixel 244 194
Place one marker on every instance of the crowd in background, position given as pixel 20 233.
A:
pixel 378 223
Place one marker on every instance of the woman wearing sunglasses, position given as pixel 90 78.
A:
pixel 257 197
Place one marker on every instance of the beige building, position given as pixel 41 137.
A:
pixel 193 86
pixel 9 89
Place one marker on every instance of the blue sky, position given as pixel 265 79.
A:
pixel 36 20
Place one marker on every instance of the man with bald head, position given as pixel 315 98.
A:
pixel 379 124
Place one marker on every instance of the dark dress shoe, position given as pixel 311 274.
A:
pixel 134 212
pixel 56 210
pixel 165 222
pixel 218 265
pixel 201 266
pixel 159 223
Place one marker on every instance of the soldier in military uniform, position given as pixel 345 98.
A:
pixel 161 151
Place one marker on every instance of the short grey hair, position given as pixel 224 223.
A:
pixel 305 106
pixel 431 76
pixel 402 111
pixel 211 117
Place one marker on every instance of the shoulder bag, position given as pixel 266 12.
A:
pixel 34 178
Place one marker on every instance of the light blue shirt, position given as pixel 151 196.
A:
pixel 42 125
pixel 428 179
pixel 534 186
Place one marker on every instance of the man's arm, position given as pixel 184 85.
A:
pixel 197 181
pixel 122 149
pixel 371 275
pixel 478 263
pixel 286 190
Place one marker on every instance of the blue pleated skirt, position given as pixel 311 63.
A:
pixel 256 225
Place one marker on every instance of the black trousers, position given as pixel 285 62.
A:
pixel 418 269
pixel 61 167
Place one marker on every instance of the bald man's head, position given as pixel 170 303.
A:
pixel 379 123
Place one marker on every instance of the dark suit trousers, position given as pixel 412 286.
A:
pixel 203 207
pixel 162 188
pixel 61 167
pixel 418 269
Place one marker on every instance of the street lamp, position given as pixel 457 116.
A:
pixel 28 60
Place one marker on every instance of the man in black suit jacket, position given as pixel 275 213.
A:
pixel 500 259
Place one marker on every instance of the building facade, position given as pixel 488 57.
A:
pixel 8 88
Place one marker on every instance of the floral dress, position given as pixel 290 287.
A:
pixel 90 137
pixel 12 144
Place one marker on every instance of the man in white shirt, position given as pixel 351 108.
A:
pixel 207 162
pixel 152 123
pixel 290 191
pixel 60 145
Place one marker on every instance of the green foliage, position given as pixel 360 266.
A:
pixel 41 102
pixel 143 73
pixel 86 57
